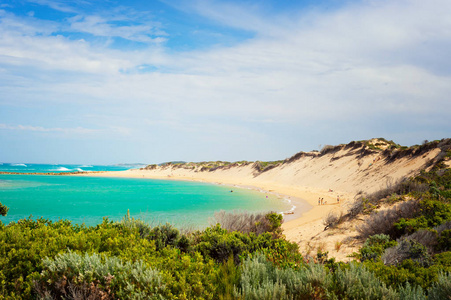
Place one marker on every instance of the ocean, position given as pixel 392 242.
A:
pixel 89 199
pixel 61 168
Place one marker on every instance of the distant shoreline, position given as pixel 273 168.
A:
pixel 52 173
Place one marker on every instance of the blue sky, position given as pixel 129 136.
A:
pixel 106 82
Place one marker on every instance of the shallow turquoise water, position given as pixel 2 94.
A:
pixel 89 199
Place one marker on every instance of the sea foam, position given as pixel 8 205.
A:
pixel 18 165
pixel 61 169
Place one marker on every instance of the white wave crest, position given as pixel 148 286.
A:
pixel 18 165
pixel 61 169
pixel 79 169
pixel 86 166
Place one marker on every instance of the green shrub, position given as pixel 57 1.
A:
pixel 260 279
pixel 220 244
pixel 24 244
pixel 444 241
pixel 95 275
pixel 375 246
pixel 411 293
pixel 432 213
pixel 356 282
pixel 3 209
pixel 442 288
pixel 443 260
pixel 164 235
pixel 407 249
pixel 228 278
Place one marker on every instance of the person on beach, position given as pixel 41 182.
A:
pixel 319 201
pixel 322 199
pixel 338 198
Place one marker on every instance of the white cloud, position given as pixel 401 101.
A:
pixel 77 130
pixel 101 26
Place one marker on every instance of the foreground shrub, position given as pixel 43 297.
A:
pixel 24 244
pixel 442 288
pixel 411 293
pixel 97 277
pixel 260 279
pixel 356 282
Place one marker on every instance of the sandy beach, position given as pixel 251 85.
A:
pixel 344 173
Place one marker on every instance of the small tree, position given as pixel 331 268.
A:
pixel 3 209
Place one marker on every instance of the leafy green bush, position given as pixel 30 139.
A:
pixel 432 213
pixel 98 276
pixel 441 289
pixel 444 241
pixel 375 246
pixel 220 244
pixel 409 292
pixel 3 209
pixel 260 279
pixel 24 244
pixel 356 282
pixel 407 249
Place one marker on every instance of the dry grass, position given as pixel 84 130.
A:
pixel 332 219
pixel 338 245
pixel 382 221
pixel 243 221
pixel 321 247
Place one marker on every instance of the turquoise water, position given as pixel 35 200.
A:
pixel 59 168
pixel 89 199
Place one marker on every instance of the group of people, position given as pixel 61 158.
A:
pixel 322 202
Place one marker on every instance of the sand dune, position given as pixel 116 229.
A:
pixel 342 171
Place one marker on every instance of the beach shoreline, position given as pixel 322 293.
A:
pixel 305 199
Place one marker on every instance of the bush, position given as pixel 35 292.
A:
pixel 260 279
pixel 407 249
pixel 382 222
pixel 356 282
pixel 441 289
pixel 246 222
pixel 411 293
pixel 3 209
pixel 98 277
pixel 426 237
pixel 444 241
pixel 375 246
pixel 333 219
pixel 164 236
pixel 433 214
pixel 24 244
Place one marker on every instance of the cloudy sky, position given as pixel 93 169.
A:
pixel 150 81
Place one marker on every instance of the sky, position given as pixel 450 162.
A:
pixel 105 82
